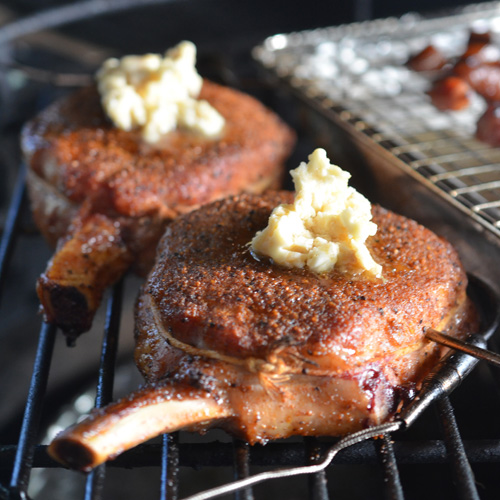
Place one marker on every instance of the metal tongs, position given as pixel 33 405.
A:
pixel 445 377
pixel 472 346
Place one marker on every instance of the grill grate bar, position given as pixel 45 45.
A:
pixel 27 439
pixel 481 169
pixel 424 451
pixel 109 347
pixel 463 476
pixel 164 467
pixel 12 222
pixel 242 467
pixel 447 158
pixel 104 391
pixel 95 482
pixel 394 489
pixel 484 206
pixel 475 188
pixel 170 467
pixel 317 482
pixel 436 142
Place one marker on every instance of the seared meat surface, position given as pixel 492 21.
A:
pixel 276 352
pixel 80 166
pixel 211 292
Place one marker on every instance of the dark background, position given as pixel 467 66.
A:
pixel 228 22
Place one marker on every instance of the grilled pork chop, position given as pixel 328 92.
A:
pixel 227 340
pixel 104 196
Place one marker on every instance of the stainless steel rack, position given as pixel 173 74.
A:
pixel 355 76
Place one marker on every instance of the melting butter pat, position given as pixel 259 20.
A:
pixel 327 225
pixel 157 94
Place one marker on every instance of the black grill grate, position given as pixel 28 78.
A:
pixel 390 466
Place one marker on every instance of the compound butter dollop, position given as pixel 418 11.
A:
pixel 326 226
pixel 157 94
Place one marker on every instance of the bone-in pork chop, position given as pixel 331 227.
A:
pixel 104 195
pixel 227 340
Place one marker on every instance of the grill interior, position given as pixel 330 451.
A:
pixel 452 451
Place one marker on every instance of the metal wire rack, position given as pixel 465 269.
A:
pixel 390 466
pixel 355 75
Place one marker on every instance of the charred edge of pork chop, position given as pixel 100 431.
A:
pixel 158 353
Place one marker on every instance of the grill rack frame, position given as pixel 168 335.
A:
pixel 172 455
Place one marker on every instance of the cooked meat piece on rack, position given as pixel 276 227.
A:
pixel 226 340
pixel 450 93
pixel 488 125
pixel 428 59
pixel 476 71
pixel 484 78
pixel 104 196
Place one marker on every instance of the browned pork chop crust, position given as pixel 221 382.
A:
pixel 211 293
pixel 74 148
pixel 81 165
